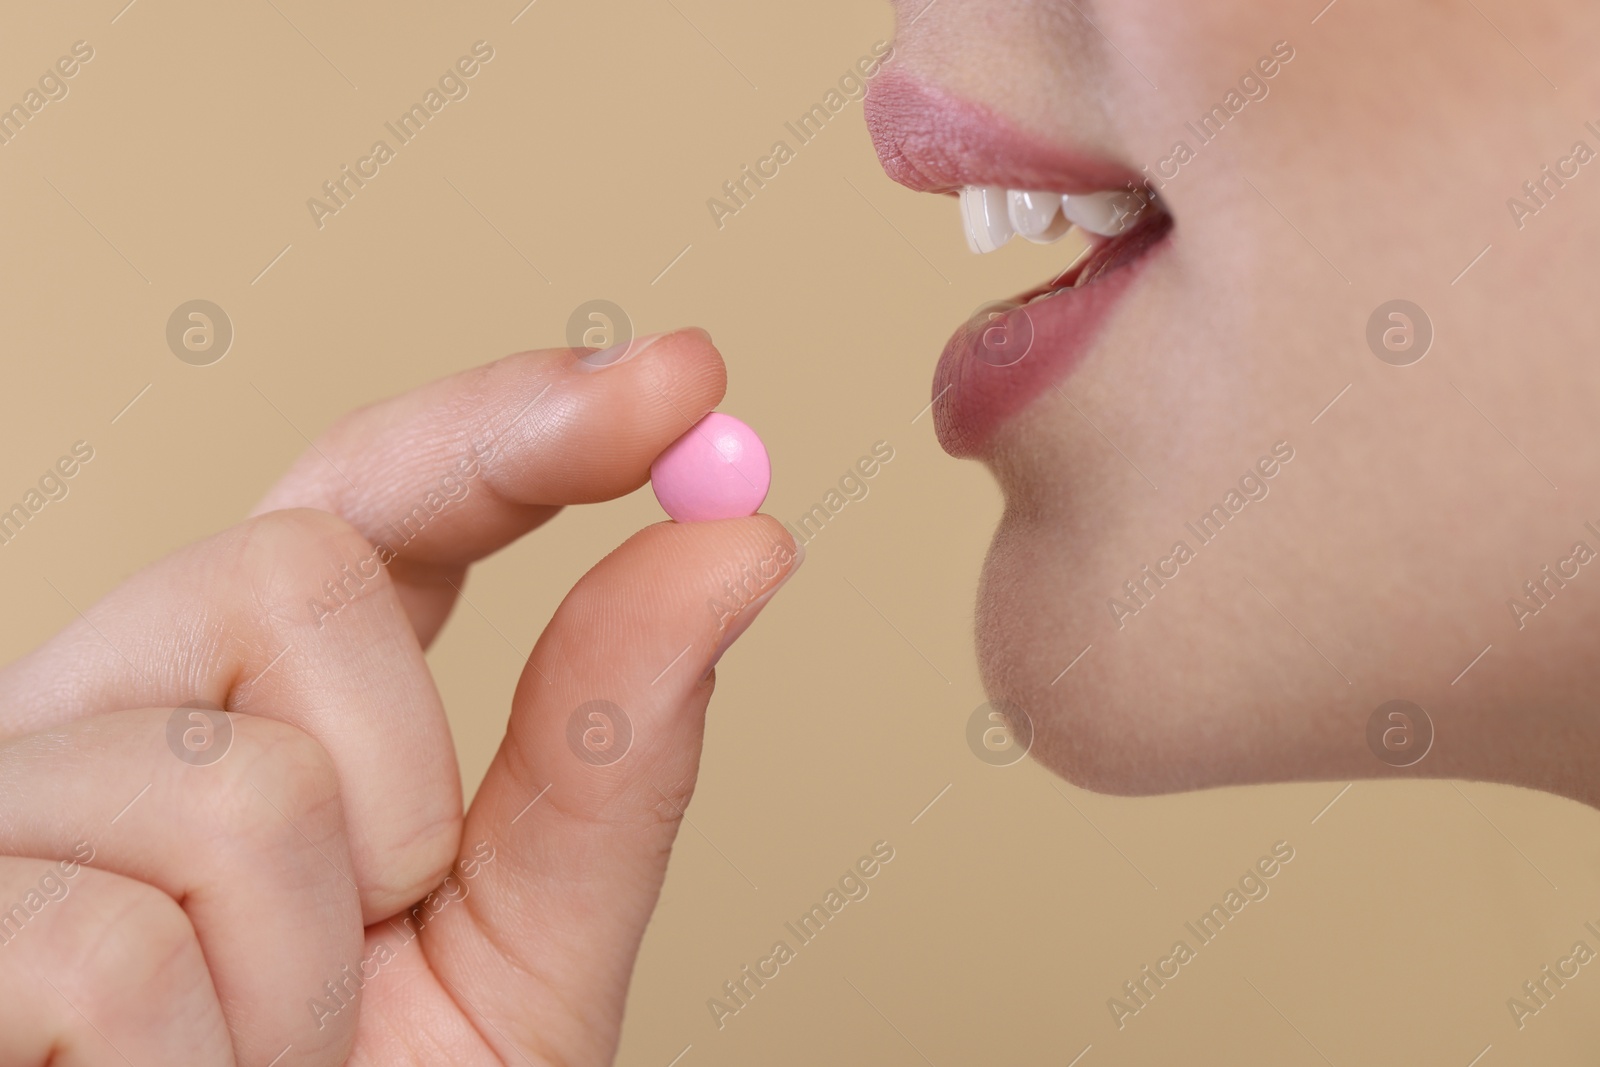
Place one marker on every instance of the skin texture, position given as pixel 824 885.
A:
pixel 187 914
pixel 1383 557
pixel 180 912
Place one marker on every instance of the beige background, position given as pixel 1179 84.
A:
pixel 179 166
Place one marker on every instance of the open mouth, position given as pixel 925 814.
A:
pixel 1119 225
pixel 1012 182
pixel 1137 232
pixel 1015 349
pixel 992 215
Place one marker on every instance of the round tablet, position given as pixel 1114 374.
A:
pixel 718 470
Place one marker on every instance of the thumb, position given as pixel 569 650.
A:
pixel 582 803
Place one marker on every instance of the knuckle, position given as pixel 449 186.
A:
pixel 281 550
pixel 427 861
pixel 114 934
pixel 276 784
pixel 299 535
pixel 666 806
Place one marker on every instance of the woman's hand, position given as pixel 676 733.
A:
pixel 295 882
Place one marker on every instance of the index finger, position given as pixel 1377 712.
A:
pixel 448 473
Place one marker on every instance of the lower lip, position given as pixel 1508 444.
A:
pixel 994 366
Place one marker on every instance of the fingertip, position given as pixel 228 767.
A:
pixel 686 344
pixel 671 592
pixel 697 369
pixel 786 549
pixel 746 539
pixel 780 539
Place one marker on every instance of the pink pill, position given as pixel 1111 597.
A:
pixel 718 470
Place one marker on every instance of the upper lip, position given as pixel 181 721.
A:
pixel 933 142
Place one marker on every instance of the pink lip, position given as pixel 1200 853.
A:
pixel 990 370
pixel 934 142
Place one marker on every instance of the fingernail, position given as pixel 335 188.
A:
pixel 748 614
pixel 621 353
pixel 618 353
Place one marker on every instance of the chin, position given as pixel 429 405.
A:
pixel 1172 709
pixel 1087 737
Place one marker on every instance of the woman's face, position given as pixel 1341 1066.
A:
pixel 1241 512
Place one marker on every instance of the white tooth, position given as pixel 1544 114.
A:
pixel 983 211
pixel 1107 213
pixel 1036 216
